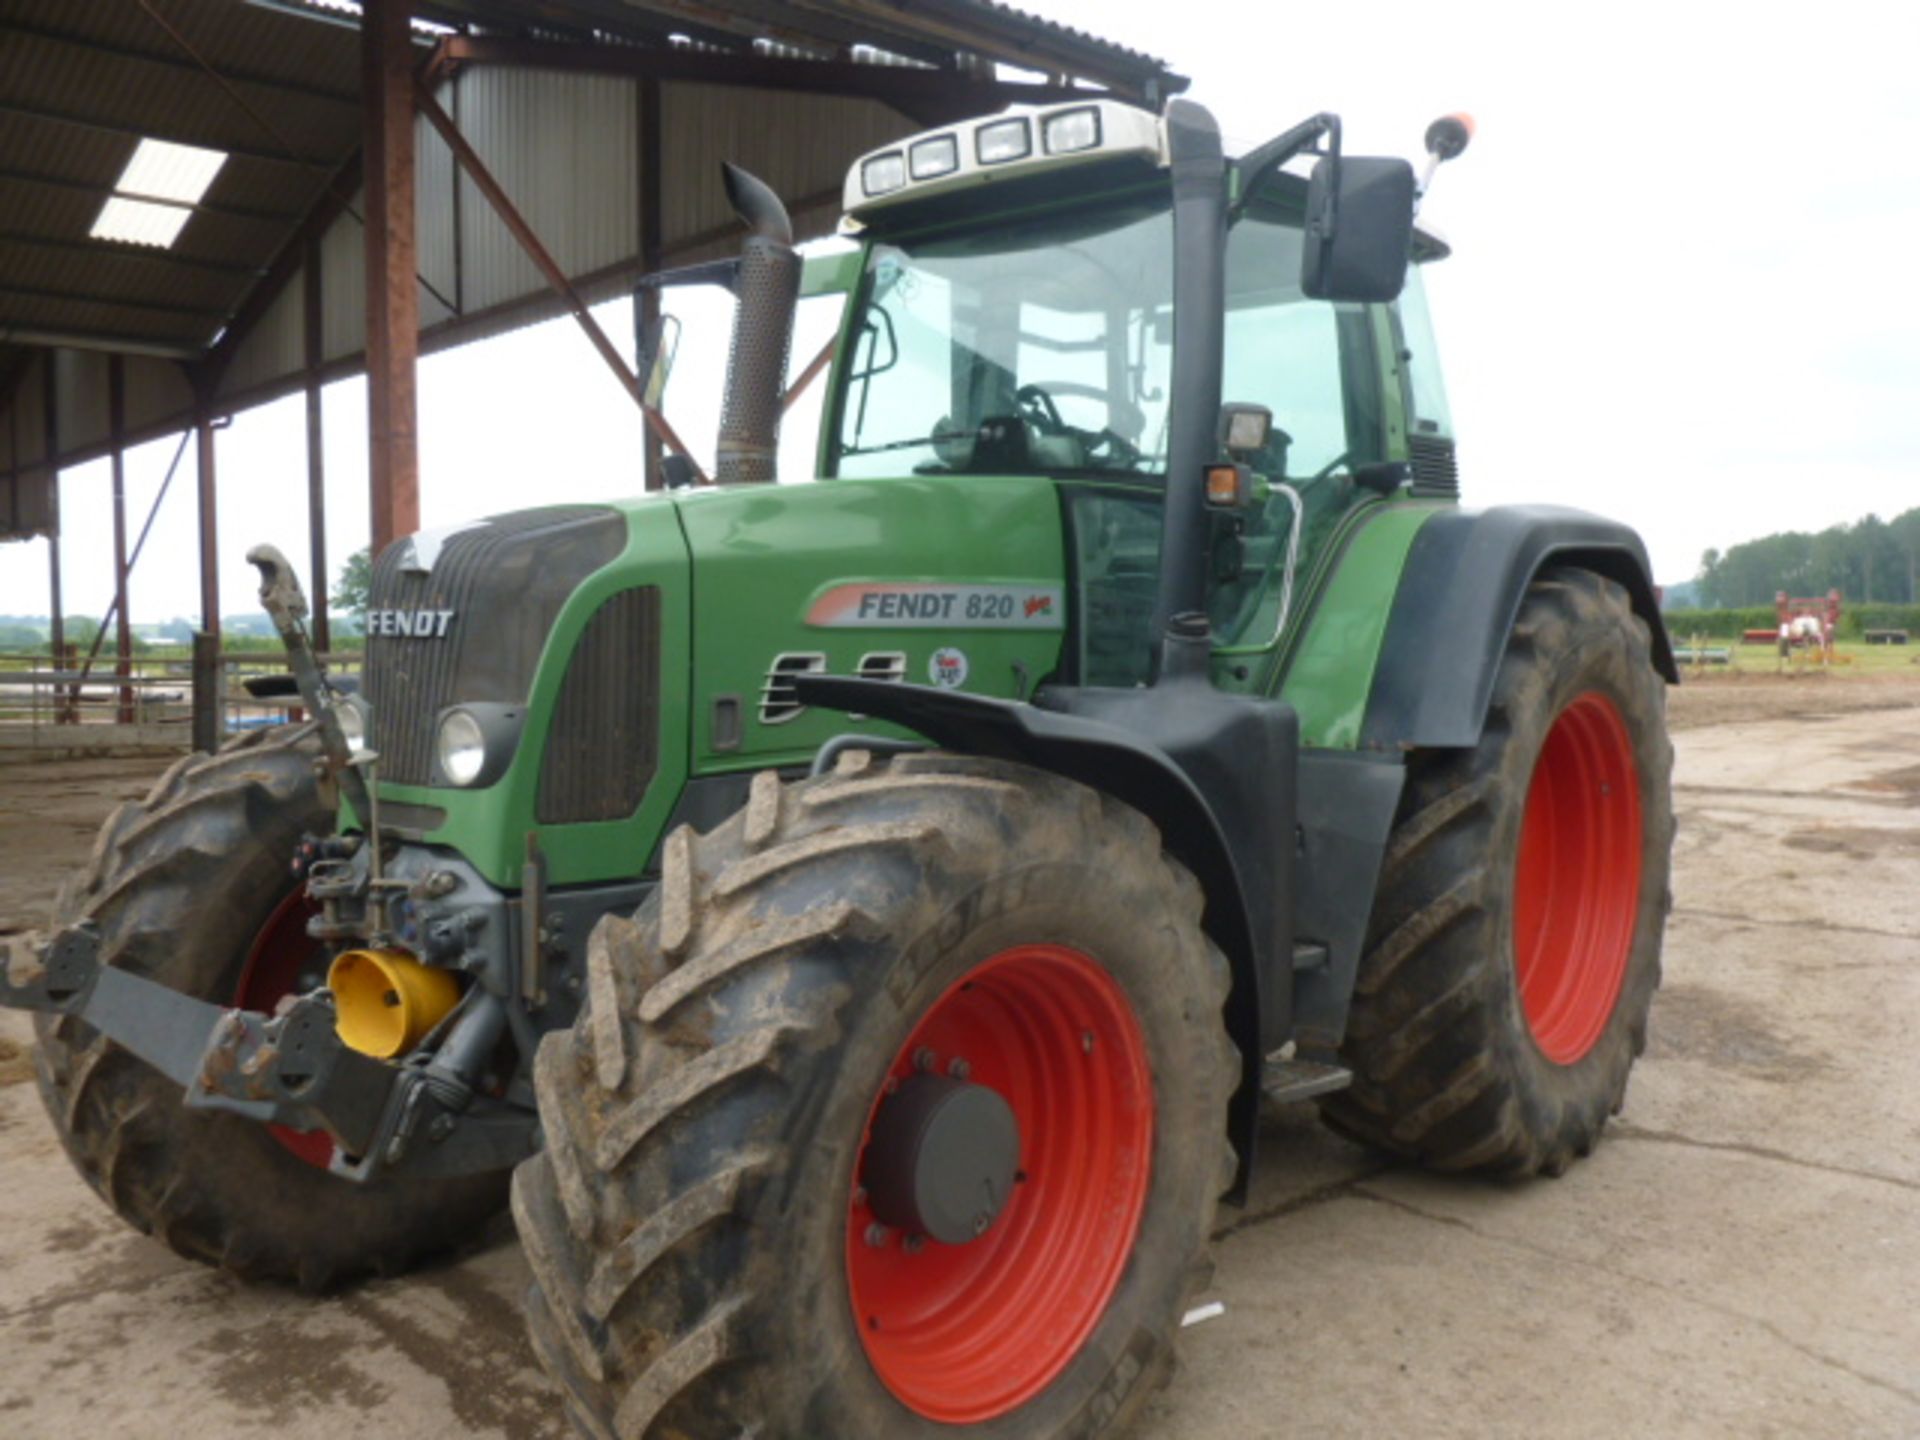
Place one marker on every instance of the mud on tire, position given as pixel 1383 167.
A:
pixel 1447 1069
pixel 178 885
pixel 687 1222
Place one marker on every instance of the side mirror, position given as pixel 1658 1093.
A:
pixel 1359 229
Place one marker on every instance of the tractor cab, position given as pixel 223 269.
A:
pixel 1015 314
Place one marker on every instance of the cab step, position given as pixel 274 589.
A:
pixel 1286 1081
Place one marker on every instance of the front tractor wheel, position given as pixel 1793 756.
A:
pixel 190 887
pixel 1515 942
pixel 898 1109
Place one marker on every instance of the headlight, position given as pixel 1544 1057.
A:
pixel 352 716
pixel 929 159
pixel 884 173
pixel 462 747
pixel 1002 141
pixel 1071 130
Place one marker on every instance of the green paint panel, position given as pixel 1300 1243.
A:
pixel 764 556
pixel 1331 675
pixel 489 826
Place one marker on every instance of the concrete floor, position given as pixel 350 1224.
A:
pixel 1740 1258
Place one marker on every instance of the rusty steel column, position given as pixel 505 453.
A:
pixel 651 227
pixel 50 450
pixel 209 527
pixel 393 304
pixel 117 437
pixel 316 456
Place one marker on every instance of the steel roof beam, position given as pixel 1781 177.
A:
pixel 120 251
pixel 94 187
pixel 150 57
pixel 125 302
pixel 927 96
pixel 205 142
pixel 50 339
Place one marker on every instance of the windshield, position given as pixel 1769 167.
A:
pixel 1040 346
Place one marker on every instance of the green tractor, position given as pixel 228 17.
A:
pixel 862 919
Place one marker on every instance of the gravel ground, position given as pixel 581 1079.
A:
pixel 1739 1258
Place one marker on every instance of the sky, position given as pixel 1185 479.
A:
pixel 1684 289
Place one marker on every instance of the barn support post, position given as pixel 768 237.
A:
pixel 50 450
pixel 393 302
pixel 122 621
pixel 651 229
pixel 316 453
pixel 209 523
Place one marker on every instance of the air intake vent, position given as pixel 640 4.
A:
pixel 778 703
pixel 883 665
pixel 604 742
pixel 1434 469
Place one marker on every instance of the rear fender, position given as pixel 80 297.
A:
pixel 1460 590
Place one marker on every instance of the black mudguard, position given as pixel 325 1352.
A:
pixel 1216 774
pixel 1461 588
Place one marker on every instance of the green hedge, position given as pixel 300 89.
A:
pixel 1855 620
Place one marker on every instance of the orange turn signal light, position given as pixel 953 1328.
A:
pixel 1227 485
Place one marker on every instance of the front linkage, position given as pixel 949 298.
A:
pixel 421 1118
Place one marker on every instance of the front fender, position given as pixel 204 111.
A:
pixel 1460 590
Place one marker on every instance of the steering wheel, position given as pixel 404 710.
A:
pixel 1105 447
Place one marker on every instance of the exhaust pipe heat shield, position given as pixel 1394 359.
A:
pixel 768 287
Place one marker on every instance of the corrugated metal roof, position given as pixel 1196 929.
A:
pixel 82 83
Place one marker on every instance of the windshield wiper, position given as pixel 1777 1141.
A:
pixel 907 444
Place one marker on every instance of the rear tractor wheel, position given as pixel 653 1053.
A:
pixel 190 887
pixel 898 1111
pixel 1515 943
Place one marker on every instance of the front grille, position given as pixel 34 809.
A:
pixel 504 580
pixel 1435 471
pixel 603 745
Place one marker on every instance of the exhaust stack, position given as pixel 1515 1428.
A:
pixel 768 288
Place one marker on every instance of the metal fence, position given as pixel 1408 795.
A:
pixel 151 705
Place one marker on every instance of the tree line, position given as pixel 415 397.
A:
pixel 1871 561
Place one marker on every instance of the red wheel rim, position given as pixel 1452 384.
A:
pixel 962 1334
pixel 281 954
pixel 1577 878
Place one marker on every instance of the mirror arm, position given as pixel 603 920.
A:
pixel 1256 165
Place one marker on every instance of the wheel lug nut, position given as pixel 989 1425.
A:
pixel 1086 1042
pixel 914 1244
pixel 877 1235
pixel 960 1070
pixel 859 1195
pixel 924 1059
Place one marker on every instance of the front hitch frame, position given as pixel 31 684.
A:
pixel 289 1069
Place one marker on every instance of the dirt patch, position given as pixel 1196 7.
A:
pixel 1855 842
pixel 1894 782
pixel 1691 1022
pixel 1732 700
pixel 277 1373
pixel 16 1062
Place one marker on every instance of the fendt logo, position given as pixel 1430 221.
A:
pixel 419 624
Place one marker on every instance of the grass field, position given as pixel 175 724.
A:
pixel 1852 659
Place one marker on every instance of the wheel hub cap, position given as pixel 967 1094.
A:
pixel 942 1159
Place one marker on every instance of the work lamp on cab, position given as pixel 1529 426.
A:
pixel 1002 141
pixel 461 748
pixel 884 174
pixel 1071 130
pixel 930 159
